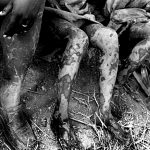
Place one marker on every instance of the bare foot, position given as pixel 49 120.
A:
pixel 20 129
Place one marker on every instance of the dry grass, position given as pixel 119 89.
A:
pixel 94 137
pixel 97 138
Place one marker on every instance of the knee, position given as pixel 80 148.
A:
pixel 78 33
pixel 79 40
pixel 106 39
pixel 110 41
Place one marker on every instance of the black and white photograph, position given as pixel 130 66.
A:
pixel 74 74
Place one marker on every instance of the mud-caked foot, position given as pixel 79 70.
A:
pixel 4 130
pixel 64 131
pixel 21 129
pixel 116 130
pixel 68 137
pixel 63 137
pixel 75 143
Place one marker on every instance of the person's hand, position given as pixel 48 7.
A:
pixel 22 14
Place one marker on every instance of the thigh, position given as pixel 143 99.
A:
pixel 140 31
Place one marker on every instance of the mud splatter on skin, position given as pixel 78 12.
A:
pixel 64 85
pixel 68 58
pixel 114 65
pixel 102 79
pixel 102 101
pixel 111 35
pixel 105 102
pixel 106 40
pixel 76 47
pixel 64 88
pixel 104 107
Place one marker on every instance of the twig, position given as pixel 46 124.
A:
pixel 138 78
pixel 103 124
pixel 90 125
pixel 7 146
pixel 42 131
pixel 80 100
pixel 79 93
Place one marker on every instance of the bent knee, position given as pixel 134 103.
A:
pixel 79 39
pixel 105 38
pixel 78 34
pixel 109 38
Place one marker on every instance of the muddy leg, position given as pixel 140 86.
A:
pixel 18 51
pixel 106 40
pixel 76 47
pixel 74 51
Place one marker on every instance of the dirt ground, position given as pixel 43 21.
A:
pixel 39 95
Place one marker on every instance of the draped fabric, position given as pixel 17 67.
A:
pixel 74 11
pixel 120 4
